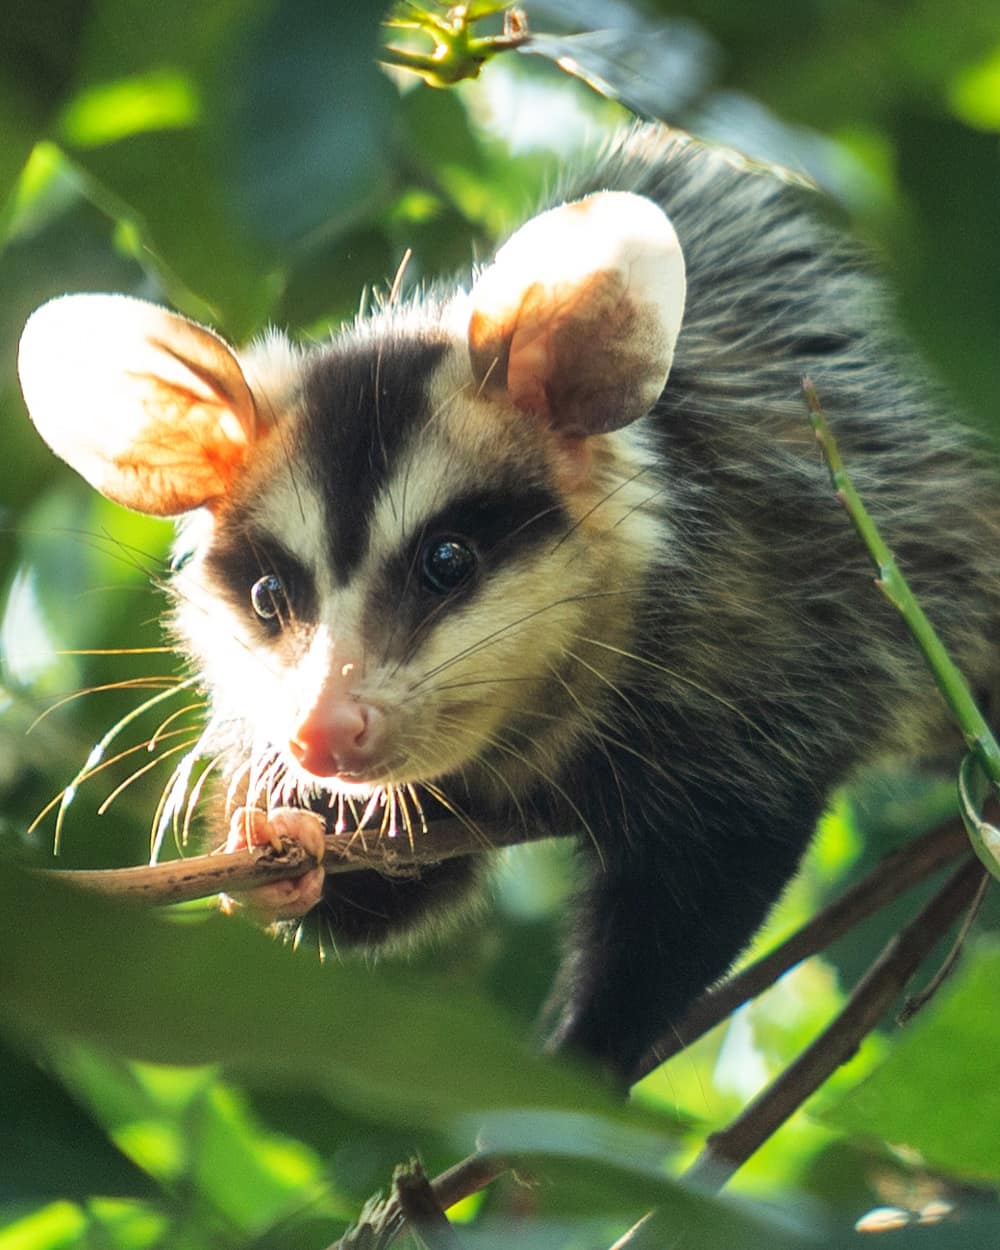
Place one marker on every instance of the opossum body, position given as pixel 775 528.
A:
pixel 558 551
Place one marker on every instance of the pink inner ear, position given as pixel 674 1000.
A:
pixel 533 347
pixel 152 409
pixel 584 357
pixel 577 317
pixel 580 355
pixel 185 452
pixel 489 350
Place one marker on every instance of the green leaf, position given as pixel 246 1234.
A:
pixel 219 991
pixel 574 1192
pixel 973 790
pixel 797 57
pixel 38 53
pixel 301 129
pixel 948 255
pixel 59 1150
pixel 164 184
pixel 658 69
pixel 939 1090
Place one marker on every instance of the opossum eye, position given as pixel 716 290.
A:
pixel 269 598
pixel 446 563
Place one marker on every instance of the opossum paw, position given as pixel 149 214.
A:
pixel 278 900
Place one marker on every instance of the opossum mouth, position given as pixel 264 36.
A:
pixel 345 805
pixel 386 809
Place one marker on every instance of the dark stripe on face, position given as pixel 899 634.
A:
pixel 241 557
pixel 500 525
pixel 362 402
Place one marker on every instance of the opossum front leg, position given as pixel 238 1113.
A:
pixel 665 917
pixel 278 900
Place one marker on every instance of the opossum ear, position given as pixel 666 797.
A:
pixel 578 315
pixel 152 409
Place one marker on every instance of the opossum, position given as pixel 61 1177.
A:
pixel 558 550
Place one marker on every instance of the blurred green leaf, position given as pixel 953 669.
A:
pixel 111 111
pixel 58 1149
pixel 975 93
pixel 180 994
pixel 38 53
pixel 947 255
pixel 947 1061
pixel 658 69
pixel 225 135
pixel 835 62
pixel 301 131
pixel 681 1216
pixel 164 184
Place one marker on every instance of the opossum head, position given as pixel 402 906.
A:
pixel 412 552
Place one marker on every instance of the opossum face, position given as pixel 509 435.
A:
pixel 411 553
pixel 403 583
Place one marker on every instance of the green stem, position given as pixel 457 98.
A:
pixel 894 586
pixel 458 53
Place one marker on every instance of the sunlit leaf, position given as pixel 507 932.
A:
pixel 975 94
pixel 920 1096
pixel 222 992
pixel 59 1151
pixel 111 111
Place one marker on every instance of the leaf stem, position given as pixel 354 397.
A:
pixel 893 584
pixel 457 53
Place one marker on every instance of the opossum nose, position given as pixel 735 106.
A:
pixel 335 741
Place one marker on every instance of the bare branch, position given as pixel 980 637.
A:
pixel 897 873
pixel 727 1150
pixel 918 1001
pixel 421 1209
pixel 383 1219
pixel 200 876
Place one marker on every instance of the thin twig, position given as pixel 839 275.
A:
pixel 918 1001
pixel 896 874
pixel 727 1150
pixel 382 1220
pixel 421 1209
pixel 200 876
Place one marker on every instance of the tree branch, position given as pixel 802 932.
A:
pixel 420 1208
pixel 897 873
pixel 383 1219
pixel 917 1002
pixel 727 1150
pixel 182 880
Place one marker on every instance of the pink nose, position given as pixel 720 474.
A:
pixel 334 740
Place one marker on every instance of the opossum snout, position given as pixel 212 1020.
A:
pixel 340 739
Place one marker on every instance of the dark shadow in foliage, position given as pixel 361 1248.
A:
pixel 51 1147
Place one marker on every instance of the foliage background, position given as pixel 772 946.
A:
pixel 184 1082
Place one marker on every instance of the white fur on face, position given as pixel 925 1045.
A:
pixel 485 664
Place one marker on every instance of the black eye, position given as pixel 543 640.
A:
pixel 180 559
pixel 445 563
pixel 269 599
